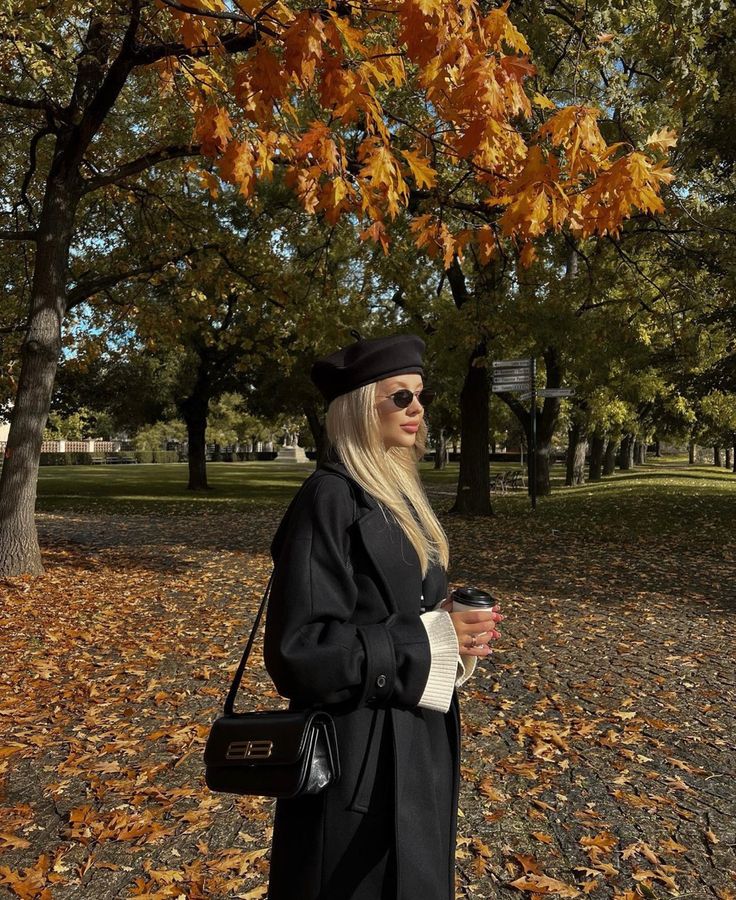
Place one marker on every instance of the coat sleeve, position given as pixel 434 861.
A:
pixel 313 650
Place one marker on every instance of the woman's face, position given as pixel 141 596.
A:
pixel 399 426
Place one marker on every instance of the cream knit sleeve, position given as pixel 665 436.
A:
pixel 444 652
pixel 449 668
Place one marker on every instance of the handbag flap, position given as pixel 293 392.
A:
pixel 268 738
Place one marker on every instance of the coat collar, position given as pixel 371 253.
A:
pixel 391 552
pixel 334 465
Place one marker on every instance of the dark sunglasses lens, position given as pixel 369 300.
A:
pixel 402 399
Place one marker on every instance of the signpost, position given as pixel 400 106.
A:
pixel 518 376
pixel 556 392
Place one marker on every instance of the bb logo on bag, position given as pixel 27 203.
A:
pixel 249 750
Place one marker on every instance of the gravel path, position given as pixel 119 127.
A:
pixel 599 749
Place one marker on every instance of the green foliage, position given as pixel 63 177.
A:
pixel 66 459
pixel 230 423
pixel 156 456
pixel 156 436
pixel 718 419
pixel 82 425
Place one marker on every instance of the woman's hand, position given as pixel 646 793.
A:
pixel 475 630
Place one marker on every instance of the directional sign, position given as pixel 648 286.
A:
pixel 509 388
pixel 503 363
pixel 511 373
pixel 500 383
pixel 556 392
pixel 512 379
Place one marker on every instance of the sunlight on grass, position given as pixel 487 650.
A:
pixel 661 496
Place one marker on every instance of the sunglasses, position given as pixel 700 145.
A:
pixel 403 398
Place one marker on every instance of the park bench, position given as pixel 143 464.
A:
pixel 511 480
pixel 516 481
pixel 98 460
pixel 111 458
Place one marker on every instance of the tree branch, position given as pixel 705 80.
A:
pixel 32 170
pixel 152 158
pixel 233 42
pixel 18 235
pixel 458 284
pixel 637 268
pixel 21 103
pixel 86 289
pixel 518 409
pixel 210 14
pixel 249 278
pixel 106 90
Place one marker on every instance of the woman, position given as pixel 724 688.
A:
pixel 358 623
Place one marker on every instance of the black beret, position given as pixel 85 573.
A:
pixel 367 361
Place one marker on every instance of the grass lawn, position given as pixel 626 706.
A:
pixel 664 495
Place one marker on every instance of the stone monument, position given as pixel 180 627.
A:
pixel 290 451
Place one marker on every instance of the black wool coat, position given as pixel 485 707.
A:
pixel 343 632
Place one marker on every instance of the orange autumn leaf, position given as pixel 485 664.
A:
pixel 313 75
pixel 303 44
pixel 541 836
pixel 543 884
pixel 236 166
pixel 528 255
pixel 421 168
pixel 662 140
pixel 213 130
pixel 12 842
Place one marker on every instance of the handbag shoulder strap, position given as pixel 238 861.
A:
pixel 230 701
pixel 232 693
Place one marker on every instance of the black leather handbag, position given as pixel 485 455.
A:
pixel 270 753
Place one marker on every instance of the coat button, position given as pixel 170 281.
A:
pixel 381 681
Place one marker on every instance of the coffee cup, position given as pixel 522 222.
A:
pixel 472 599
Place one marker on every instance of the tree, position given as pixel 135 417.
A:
pixel 718 422
pixel 309 90
pixel 81 425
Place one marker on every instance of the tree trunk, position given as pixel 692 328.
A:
pixel 543 465
pixel 717 455
pixel 473 485
pixel 728 457
pixel 609 461
pixel 96 88
pixel 734 457
pixel 547 416
pixel 597 448
pixel 576 447
pixel 546 423
pixel 657 449
pixel 626 453
pixel 640 453
pixel 440 450
pixel 194 411
pixel 19 549
pixel 691 453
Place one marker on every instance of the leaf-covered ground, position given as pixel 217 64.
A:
pixel 599 749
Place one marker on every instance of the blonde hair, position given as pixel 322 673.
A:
pixel 390 475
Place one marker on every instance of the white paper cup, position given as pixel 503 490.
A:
pixel 472 599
